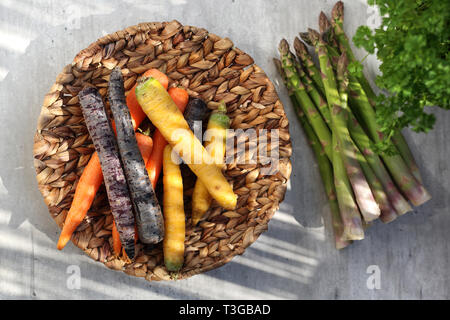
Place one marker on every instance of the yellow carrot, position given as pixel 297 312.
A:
pixel 216 144
pixel 174 218
pixel 164 114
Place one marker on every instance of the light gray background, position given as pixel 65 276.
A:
pixel 295 259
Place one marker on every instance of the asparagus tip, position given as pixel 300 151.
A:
pixel 337 13
pixel 313 36
pixel 299 46
pixel 305 37
pixel 324 23
pixel 283 47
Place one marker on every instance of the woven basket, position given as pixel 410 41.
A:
pixel 209 67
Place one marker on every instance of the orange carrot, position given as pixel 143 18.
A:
pixel 154 164
pixel 87 187
pixel 92 176
pixel 145 144
pixel 117 245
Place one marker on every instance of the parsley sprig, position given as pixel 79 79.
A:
pixel 413 45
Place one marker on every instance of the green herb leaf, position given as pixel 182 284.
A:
pixel 355 68
pixel 413 45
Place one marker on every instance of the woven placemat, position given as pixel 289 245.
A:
pixel 209 67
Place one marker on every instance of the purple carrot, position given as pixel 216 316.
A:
pixel 149 219
pixel 103 137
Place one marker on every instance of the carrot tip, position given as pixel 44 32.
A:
pixel 61 244
pixel 173 265
pixel 143 79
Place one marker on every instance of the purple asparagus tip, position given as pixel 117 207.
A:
pixel 283 46
pixel 313 36
pixel 299 47
pixel 324 23
pixel 338 11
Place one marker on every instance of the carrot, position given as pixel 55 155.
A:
pixel 87 187
pixel 92 176
pixel 117 245
pixel 196 111
pixel 181 98
pixel 174 217
pixel 164 114
pixel 147 212
pixel 103 137
pixel 217 127
pixel 145 144
pixel 133 105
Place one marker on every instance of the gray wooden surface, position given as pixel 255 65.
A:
pixel 294 259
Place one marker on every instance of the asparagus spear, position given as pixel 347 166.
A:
pixel 400 172
pixel 388 213
pixel 339 115
pixel 337 21
pixel 351 218
pixel 363 142
pixel 398 139
pixel 326 28
pixel 306 59
pixel 407 183
pixel 333 52
pixel 313 93
pixel 402 146
pixel 348 208
pixel 314 117
pixel 291 94
pixel 326 173
pixel 325 169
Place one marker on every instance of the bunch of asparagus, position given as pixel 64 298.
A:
pixel 336 110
